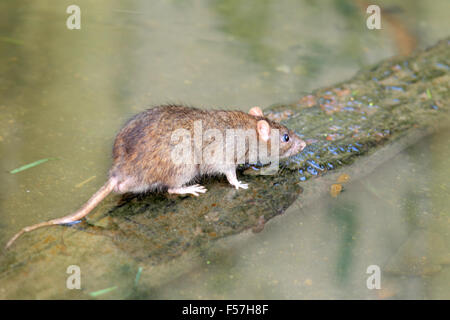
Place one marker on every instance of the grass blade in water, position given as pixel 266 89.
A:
pixel 103 291
pixel 31 165
pixel 138 276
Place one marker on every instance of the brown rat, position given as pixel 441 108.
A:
pixel 145 152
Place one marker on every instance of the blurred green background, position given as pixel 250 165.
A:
pixel 65 93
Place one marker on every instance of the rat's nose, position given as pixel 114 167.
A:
pixel 302 145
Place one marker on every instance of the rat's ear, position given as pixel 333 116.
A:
pixel 256 111
pixel 263 128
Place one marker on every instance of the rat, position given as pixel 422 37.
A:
pixel 143 153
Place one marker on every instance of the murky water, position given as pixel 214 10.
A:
pixel 66 93
pixel 397 218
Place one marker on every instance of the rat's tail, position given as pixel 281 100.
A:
pixel 82 212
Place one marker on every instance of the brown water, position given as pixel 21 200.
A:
pixel 66 93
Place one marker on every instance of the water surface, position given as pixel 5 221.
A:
pixel 66 93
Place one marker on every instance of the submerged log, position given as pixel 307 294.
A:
pixel 356 125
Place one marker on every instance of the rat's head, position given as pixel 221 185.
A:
pixel 289 142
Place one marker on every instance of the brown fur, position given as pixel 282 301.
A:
pixel 142 151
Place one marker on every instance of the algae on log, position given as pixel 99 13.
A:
pixel 383 106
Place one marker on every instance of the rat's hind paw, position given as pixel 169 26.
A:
pixel 194 190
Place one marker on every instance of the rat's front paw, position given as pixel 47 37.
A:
pixel 239 184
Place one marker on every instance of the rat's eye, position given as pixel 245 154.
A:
pixel 285 137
